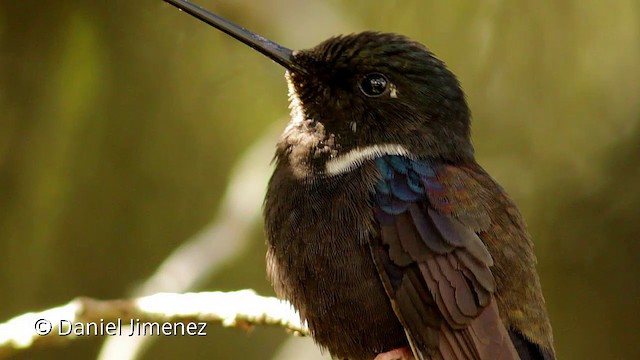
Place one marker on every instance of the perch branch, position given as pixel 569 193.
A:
pixel 243 309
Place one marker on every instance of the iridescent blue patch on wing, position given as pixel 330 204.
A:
pixel 414 182
pixel 423 168
pixel 385 170
pixel 382 187
pixel 400 189
pixel 403 181
pixel 390 204
pixel 398 163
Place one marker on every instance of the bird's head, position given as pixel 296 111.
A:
pixel 377 89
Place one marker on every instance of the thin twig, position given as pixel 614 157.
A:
pixel 165 314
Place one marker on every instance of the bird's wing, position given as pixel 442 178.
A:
pixel 434 266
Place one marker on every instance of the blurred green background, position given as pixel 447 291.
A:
pixel 120 122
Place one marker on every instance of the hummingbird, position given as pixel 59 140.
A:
pixel 382 230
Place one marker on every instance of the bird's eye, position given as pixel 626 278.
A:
pixel 374 84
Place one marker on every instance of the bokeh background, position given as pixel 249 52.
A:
pixel 121 122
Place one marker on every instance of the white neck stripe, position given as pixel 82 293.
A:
pixel 356 157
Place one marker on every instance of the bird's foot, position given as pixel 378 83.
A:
pixel 396 354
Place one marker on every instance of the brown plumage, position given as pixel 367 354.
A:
pixel 382 230
pixel 389 234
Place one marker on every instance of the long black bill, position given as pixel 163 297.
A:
pixel 276 52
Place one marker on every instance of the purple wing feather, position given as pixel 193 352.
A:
pixel 435 267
